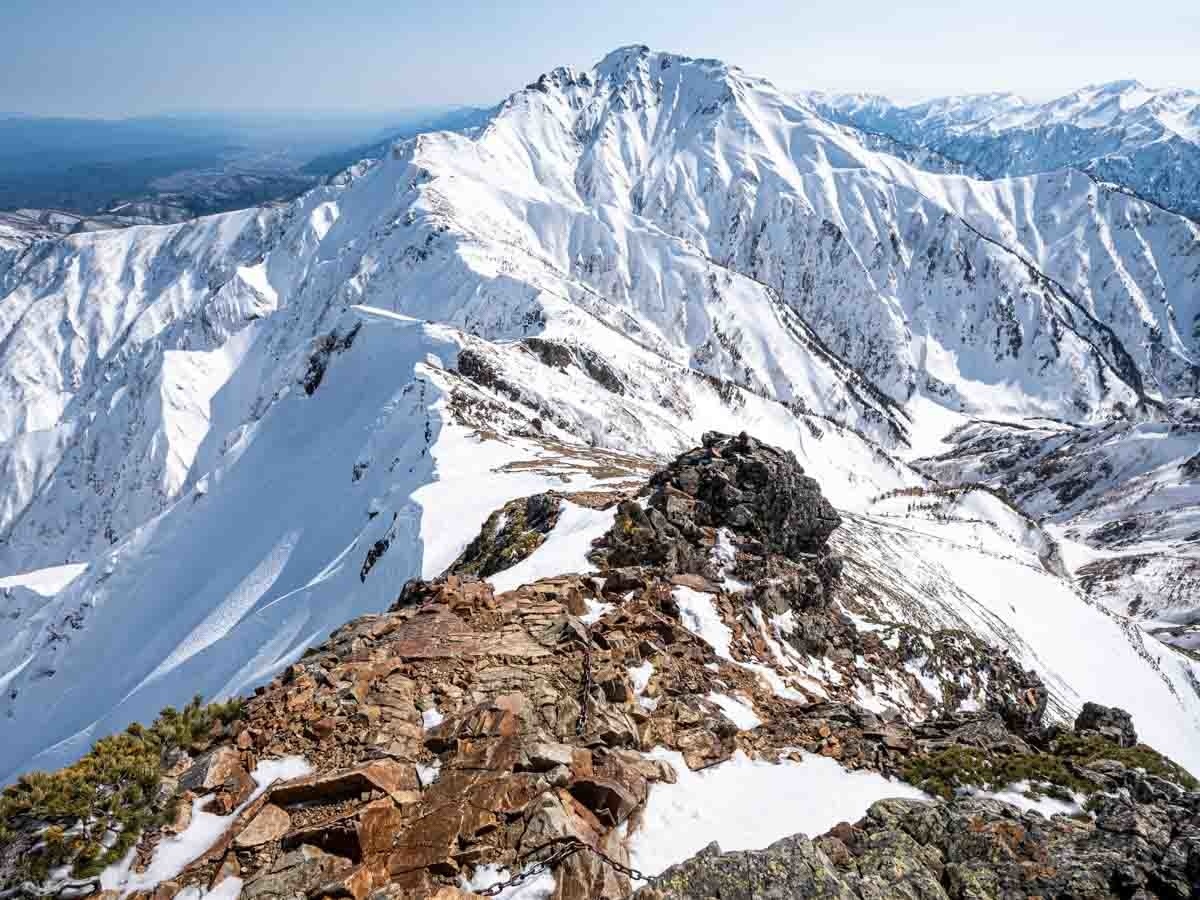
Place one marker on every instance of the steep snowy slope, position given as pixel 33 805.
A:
pixel 1124 498
pixel 323 505
pixel 1128 266
pixel 944 575
pixel 1146 140
pixel 254 426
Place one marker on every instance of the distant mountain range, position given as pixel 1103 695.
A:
pixel 1144 140
pixel 170 168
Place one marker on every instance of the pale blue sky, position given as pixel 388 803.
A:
pixel 123 57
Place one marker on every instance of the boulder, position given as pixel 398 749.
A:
pixel 396 779
pixel 792 867
pixel 212 770
pixel 1111 722
pixel 295 873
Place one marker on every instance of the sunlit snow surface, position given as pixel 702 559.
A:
pixel 563 552
pixel 46 582
pixel 739 712
pixel 540 887
pixel 699 615
pixel 939 576
pixel 746 804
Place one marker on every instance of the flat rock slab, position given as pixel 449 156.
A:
pixel 270 824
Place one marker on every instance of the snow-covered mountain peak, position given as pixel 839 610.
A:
pixel 1127 87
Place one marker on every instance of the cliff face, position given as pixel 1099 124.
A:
pixel 576 731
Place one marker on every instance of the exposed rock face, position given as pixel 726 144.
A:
pixel 465 727
pixel 1109 721
pixel 1142 840
pixel 792 867
pixel 755 489
pixel 509 535
pixel 737 483
pixel 1140 837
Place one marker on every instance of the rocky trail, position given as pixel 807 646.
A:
pixel 572 737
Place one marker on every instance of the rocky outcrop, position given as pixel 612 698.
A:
pixel 735 483
pixel 1143 841
pixel 465 727
pixel 1138 835
pixel 509 535
pixel 1110 722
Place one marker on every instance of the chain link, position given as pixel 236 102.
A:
pixel 564 849
pixel 562 852
pixel 585 695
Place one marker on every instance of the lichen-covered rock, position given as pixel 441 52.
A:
pixel 965 848
pixel 509 535
pixel 791 868
pixel 294 874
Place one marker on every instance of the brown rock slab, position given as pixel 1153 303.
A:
pixel 610 800
pixel 358 835
pixel 397 779
pixel 231 794
pixel 212 770
pixel 355 884
pixel 271 824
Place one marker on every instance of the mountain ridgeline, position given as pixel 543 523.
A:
pixel 504 366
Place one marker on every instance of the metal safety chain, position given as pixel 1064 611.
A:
pixel 563 849
pixel 560 850
pixel 585 695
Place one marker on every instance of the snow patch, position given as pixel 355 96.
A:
pixel 595 610
pixel 639 676
pixel 564 550
pixel 540 887
pixel 746 804
pixel 739 713
pixel 428 774
pixel 48 581
pixel 1015 794
pixel 174 854
pixel 699 616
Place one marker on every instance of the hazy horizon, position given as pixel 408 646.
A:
pixel 132 59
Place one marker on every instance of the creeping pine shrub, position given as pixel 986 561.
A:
pixel 1053 773
pixel 90 813
pixel 946 771
pixel 1083 749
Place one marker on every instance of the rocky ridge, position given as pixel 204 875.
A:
pixel 466 728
